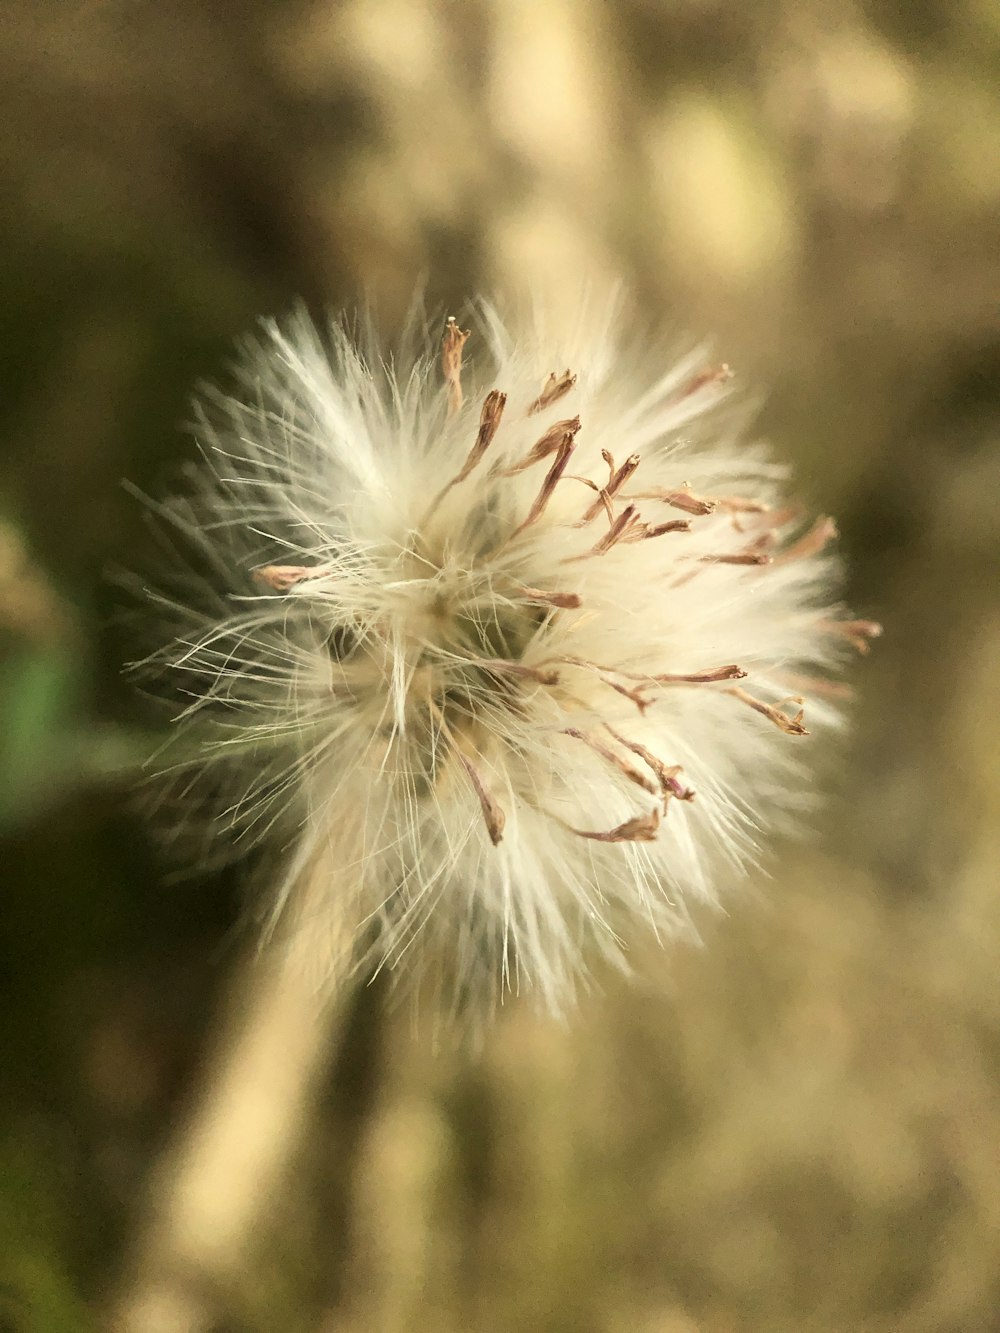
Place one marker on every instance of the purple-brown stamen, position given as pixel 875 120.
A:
pixel 711 375
pixel 791 726
pixel 737 558
pixel 489 424
pixel 625 519
pixel 856 632
pixel 492 812
pixel 554 388
pixel 823 531
pixel 660 529
pixel 548 485
pixel 678 499
pixel 710 676
pixel 626 769
pixel 619 476
pixel 666 774
pixel 548 444
pixel 641 828
pixel 564 601
pixel 451 362
pixel 282 578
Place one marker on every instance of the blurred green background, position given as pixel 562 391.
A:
pixel 796 1127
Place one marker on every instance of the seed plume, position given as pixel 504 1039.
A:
pixel 442 633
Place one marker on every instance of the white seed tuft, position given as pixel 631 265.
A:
pixel 447 638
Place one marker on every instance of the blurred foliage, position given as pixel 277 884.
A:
pixel 792 1129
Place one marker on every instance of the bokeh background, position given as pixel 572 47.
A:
pixel 793 1128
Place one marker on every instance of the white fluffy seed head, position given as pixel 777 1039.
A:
pixel 503 644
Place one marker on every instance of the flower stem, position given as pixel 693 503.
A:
pixel 220 1172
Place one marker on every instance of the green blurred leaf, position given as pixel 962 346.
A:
pixel 36 1294
pixel 48 746
pixel 37 697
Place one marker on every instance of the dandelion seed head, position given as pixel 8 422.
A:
pixel 518 640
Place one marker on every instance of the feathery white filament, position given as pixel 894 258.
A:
pixel 517 647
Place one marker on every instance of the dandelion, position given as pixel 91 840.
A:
pixel 519 641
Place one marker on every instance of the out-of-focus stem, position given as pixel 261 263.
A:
pixel 230 1152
